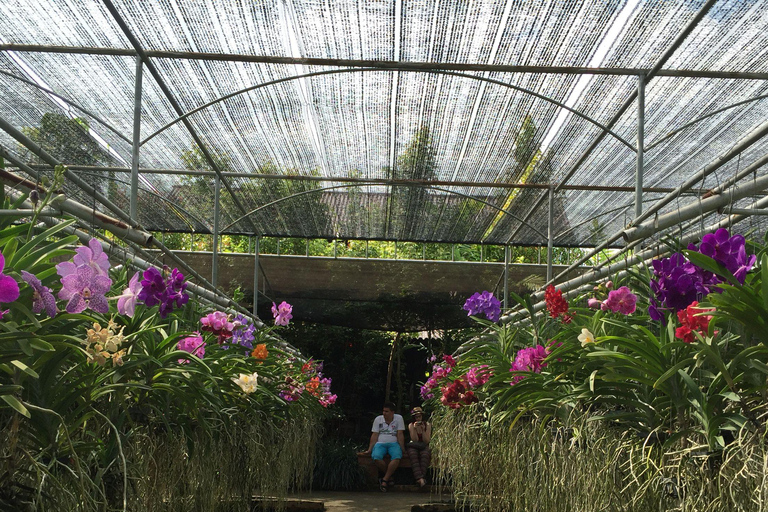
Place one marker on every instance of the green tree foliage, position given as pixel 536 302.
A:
pixel 68 140
pixel 417 162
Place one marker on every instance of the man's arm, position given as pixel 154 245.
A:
pixel 374 438
pixel 401 439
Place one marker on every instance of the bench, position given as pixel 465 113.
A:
pixel 371 471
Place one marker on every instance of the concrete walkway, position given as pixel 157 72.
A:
pixel 340 501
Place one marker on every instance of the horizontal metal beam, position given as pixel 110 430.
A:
pixel 369 181
pixel 386 64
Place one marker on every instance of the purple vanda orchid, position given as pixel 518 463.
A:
pixel 42 297
pixel 85 289
pixel 282 313
pixel 126 302
pixel 9 288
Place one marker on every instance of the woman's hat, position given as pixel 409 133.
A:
pixel 417 410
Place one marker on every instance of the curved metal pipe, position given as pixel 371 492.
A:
pixel 171 203
pixel 688 125
pixel 351 185
pixel 339 71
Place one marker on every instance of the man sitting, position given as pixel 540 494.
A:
pixel 387 438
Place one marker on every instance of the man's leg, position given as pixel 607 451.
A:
pixel 391 467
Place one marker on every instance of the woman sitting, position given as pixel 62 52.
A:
pixel 418 449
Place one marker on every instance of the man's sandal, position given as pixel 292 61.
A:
pixel 382 485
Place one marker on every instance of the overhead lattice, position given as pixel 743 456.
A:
pixel 354 126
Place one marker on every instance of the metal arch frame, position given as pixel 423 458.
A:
pixel 69 102
pixel 627 103
pixel 604 128
pixel 142 56
pixel 171 203
pixel 699 119
pixel 351 185
pixel 606 212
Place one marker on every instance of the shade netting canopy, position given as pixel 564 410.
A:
pixel 420 120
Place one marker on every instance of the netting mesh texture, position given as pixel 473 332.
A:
pixel 463 128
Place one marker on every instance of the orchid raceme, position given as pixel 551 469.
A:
pixel 484 303
pixel 85 289
pixel 192 344
pixel 126 302
pixel 692 320
pixel 586 337
pixel 529 359
pixel 260 352
pixel 102 344
pixel 620 301
pixel 42 297
pixel 166 293
pixel 220 324
pixel 9 288
pixel 282 313
pixel 247 383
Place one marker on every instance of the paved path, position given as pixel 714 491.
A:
pixel 339 501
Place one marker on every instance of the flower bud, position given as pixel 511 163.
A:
pixel 593 303
pixel 34 197
pixel 609 285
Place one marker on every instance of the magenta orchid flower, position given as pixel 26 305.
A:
pixel 42 298
pixel 85 289
pixel 620 301
pixel 192 344
pixel 9 288
pixel 282 313
pixel 126 302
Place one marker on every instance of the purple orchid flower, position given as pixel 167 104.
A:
pixel 92 256
pixel 484 303
pixel 85 289
pixel 126 302
pixel 42 298
pixel 282 313
pixel 9 288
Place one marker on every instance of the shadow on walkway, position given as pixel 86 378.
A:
pixel 340 501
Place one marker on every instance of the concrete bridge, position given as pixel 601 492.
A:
pixel 397 295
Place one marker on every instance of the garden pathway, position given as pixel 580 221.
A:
pixel 340 501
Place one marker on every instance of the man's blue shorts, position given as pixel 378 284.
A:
pixel 381 449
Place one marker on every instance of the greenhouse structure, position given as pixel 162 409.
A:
pixel 211 209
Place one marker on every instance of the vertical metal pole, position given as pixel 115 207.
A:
pixel 250 242
pixel 334 248
pixel 423 251
pixel 215 263
pixel 481 253
pixel 640 144
pixel 550 232
pixel 366 249
pixel 307 247
pixel 256 276
pixel 453 252
pixel 278 246
pixel 136 140
pixel 538 254
pixel 395 249
pixel 507 256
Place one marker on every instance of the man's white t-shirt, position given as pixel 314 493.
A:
pixel 388 431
